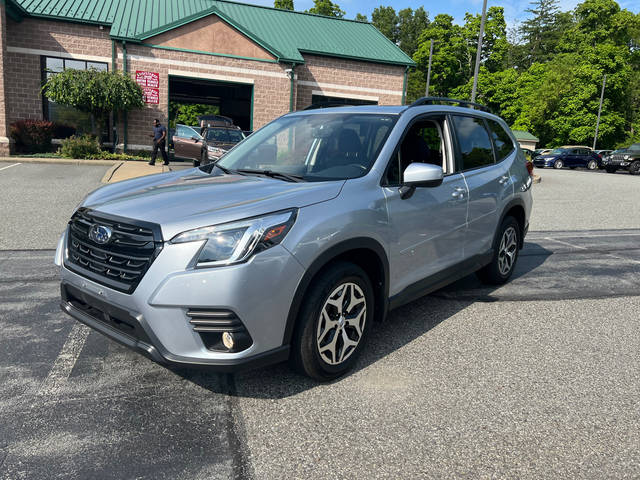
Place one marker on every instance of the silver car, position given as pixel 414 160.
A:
pixel 299 239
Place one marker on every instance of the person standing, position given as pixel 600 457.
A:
pixel 159 142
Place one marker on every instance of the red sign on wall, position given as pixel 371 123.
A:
pixel 148 79
pixel 151 95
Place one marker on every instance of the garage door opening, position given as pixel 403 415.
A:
pixel 190 97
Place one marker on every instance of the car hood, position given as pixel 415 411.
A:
pixel 187 199
pixel 546 157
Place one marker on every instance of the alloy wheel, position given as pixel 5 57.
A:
pixel 508 251
pixel 341 323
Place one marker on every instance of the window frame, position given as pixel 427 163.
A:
pixel 459 161
pixel 449 145
pixel 43 80
pixel 495 149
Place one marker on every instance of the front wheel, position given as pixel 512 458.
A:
pixel 334 322
pixel 634 168
pixel 558 164
pixel 505 254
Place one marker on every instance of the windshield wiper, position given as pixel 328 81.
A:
pixel 270 173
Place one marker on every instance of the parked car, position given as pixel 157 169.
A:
pixel 624 159
pixel 187 142
pixel 541 151
pixel 217 141
pixel 571 157
pixel 301 238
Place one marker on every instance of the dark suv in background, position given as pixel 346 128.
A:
pixel 624 159
pixel 571 157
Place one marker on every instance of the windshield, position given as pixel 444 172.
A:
pixel 224 135
pixel 316 147
pixel 558 151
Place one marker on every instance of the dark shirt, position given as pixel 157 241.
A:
pixel 157 132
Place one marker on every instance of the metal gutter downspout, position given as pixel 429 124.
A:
pixel 125 113
pixel 292 76
pixel 404 84
pixel 114 115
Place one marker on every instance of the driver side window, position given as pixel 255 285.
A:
pixel 424 142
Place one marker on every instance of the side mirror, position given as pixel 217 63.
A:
pixel 195 139
pixel 423 175
pixel 420 175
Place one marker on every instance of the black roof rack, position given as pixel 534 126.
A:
pixel 316 106
pixel 440 100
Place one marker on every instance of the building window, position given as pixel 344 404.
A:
pixel 321 99
pixel 62 114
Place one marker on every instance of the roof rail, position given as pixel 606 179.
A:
pixel 439 100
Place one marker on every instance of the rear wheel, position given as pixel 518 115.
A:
pixel 334 322
pixel 592 165
pixel 558 164
pixel 505 254
pixel 634 168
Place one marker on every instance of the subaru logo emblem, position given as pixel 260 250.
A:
pixel 100 234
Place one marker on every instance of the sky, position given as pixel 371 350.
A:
pixel 514 9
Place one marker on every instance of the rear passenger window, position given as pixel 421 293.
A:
pixel 501 140
pixel 474 142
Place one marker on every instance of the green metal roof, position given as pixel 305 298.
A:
pixel 524 135
pixel 283 33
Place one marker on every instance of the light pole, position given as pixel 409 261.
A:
pixel 479 52
pixel 429 69
pixel 604 83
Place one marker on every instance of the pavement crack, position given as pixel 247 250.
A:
pixel 236 432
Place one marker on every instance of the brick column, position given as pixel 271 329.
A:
pixel 5 141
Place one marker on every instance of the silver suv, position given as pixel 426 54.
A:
pixel 300 238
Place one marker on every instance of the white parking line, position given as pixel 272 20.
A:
pixel 585 248
pixel 9 166
pixel 66 360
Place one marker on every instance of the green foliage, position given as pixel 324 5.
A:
pixel 284 4
pixel 326 7
pixel 32 136
pixel 188 113
pixel 361 18
pixel 80 147
pixel 95 92
pixel 386 20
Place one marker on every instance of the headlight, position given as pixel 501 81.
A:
pixel 627 157
pixel 235 242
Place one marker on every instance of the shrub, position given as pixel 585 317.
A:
pixel 84 146
pixel 60 130
pixel 32 136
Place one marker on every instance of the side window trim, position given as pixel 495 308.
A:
pixel 459 162
pixel 495 148
pixel 414 120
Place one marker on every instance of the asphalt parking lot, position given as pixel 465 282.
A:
pixel 537 379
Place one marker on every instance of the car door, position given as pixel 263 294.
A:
pixel 428 226
pixel 489 182
pixel 193 144
pixel 179 141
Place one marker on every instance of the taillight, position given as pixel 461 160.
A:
pixel 530 168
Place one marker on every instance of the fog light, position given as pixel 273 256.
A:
pixel 228 340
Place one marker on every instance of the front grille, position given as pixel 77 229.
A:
pixel 212 323
pixel 616 158
pixel 121 262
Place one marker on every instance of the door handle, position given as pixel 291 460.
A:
pixel 503 179
pixel 458 193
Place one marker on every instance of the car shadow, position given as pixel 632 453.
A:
pixel 402 326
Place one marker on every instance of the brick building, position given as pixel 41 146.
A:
pixel 255 63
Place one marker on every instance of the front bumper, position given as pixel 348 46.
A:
pixel 153 319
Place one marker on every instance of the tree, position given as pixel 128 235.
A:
pixel 361 18
pixel 96 92
pixel 494 44
pixel 386 20
pixel 411 24
pixel 283 4
pixel 541 32
pixel 327 8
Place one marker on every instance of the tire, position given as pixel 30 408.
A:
pixel 592 165
pixel 558 164
pixel 319 347
pixel 610 170
pixel 634 168
pixel 503 264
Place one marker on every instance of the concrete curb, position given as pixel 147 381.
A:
pixel 64 161
pixel 537 179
